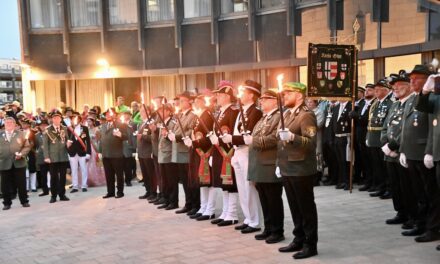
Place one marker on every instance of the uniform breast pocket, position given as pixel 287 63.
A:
pixel 295 155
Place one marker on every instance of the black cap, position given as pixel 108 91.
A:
pixel 369 85
pixel 269 94
pixel 422 69
pixel 252 86
pixel 55 112
pixel 361 89
pixel 68 108
pixel 383 83
pixel 225 87
pixel 401 77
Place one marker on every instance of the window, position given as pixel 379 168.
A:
pixel 160 10
pixel 196 8
pixel 272 3
pixel 434 25
pixel 123 12
pixel 365 72
pixel 85 13
pixel 45 13
pixel 232 6
pixel 406 62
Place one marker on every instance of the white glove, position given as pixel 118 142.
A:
pixel 386 149
pixel 188 142
pixel 402 160
pixel 210 161
pixel 171 136
pixel 214 139
pixel 100 156
pixel 429 84
pixel 226 138
pixel 428 160
pixel 393 154
pixel 286 135
pixel 278 172
pixel 87 156
pixel 366 143
pixel 248 139
pixel 117 133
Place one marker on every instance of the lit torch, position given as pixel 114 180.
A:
pixel 280 78
pixel 145 108
pixel 208 104
pixel 198 113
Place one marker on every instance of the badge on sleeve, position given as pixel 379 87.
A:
pixel 311 131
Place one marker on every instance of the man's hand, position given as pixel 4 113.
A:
pixel 248 139
pixel 386 150
pixel 428 160
pixel 69 143
pixel 214 139
pixel 18 155
pixel 117 133
pixel 87 157
pixel 188 142
pixel 226 138
pixel 171 136
pixel 402 160
pixel 278 172
pixel 286 135
pixel 47 160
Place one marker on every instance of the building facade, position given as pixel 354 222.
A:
pixel 10 81
pixel 91 51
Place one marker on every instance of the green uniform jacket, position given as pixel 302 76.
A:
pixel 112 146
pixel 377 115
pixel 392 129
pixel 179 150
pixel 54 144
pixel 17 144
pixel 430 103
pixel 144 143
pixel 263 150
pixel 165 145
pixel 298 157
pixel 416 126
pixel 39 137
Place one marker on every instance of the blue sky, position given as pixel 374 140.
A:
pixel 9 30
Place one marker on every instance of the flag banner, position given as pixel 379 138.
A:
pixel 331 71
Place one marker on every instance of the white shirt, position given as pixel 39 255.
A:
pixel 341 108
pixel 223 108
pixel 245 108
pixel 367 103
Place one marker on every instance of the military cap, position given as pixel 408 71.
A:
pixel 55 112
pixel 295 87
pixel 384 83
pixel 252 86
pixel 421 69
pixel 225 87
pixel 269 94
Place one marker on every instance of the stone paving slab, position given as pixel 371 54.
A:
pixel 88 229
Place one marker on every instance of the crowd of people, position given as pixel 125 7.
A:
pixel 241 141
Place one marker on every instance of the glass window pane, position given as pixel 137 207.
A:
pixel 231 6
pixel 303 74
pixel 272 3
pixel 406 62
pixel 160 10
pixel 365 72
pixel 85 13
pixel 123 12
pixel 196 8
pixel 434 25
pixel 45 13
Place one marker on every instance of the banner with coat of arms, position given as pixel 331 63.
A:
pixel 331 71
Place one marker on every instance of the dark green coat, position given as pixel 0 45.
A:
pixel 430 103
pixel 165 145
pixel 263 150
pixel 392 129
pixel 54 144
pixel 18 143
pixel 112 146
pixel 179 150
pixel 378 113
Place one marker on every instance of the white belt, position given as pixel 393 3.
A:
pixel 342 135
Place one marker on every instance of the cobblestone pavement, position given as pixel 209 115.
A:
pixel 88 229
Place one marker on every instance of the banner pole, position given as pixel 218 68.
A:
pixel 353 101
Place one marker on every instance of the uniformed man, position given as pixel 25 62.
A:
pixel 41 165
pixel 223 173
pixel 55 154
pixel 112 135
pixel 296 163
pixel 328 145
pixel 129 147
pixel 262 157
pixel 14 146
pixel 245 122
pixel 378 111
pixel 390 139
pixel 429 101
pixel 185 119
pixel 415 131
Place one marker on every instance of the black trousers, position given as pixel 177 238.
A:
pixel 365 160
pixel 341 157
pixel 400 187
pixel 192 195
pixel 380 175
pixel 133 167
pixel 329 156
pixel 270 194
pixel 148 175
pixel 113 169
pixel 159 178
pixel 14 178
pixel 128 170
pixel 58 178
pixel 44 169
pixel 170 176
pixel 299 192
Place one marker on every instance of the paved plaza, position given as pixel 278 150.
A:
pixel 88 229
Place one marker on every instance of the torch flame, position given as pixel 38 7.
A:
pixel 154 105
pixel 207 101
pixel 240 91
pixel 197 111
pixel 122 118
pixel 28 133
pixel 280 78
pixel 176 111
pixel 111 112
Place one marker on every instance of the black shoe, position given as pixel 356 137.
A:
pixel 408 225
pixel 307 252
pixel 129 184
pixel 377 194
pixel 292 247
pixel 195 216
pixel 396 220
pixel 438 247
pixel 84 189
pixel 387 195
pixel 26 205
pixel 163 206
pixel 43 194
pixel 250 229
pixel 145 196
pixel 346 188
pixel 53 200
pixel 429 236
pixel 205 217
pixel 74 191
pixel 119 195
pixel 34 190
pixel 160 201
pixel 6 207
pixel 262 236
pixel 153 201
pixel 151 197
pixel 241 227
pixel 372 189
pixel 272 239
pixel 227 222
pixel 183 210
pixel 341 186
pixel 171 207
pixel 192 211
pixel 216 221
pixel 64 198
pixel 417 231
pixel 108 196
pixel 364 188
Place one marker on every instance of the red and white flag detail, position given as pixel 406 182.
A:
pixel 331 70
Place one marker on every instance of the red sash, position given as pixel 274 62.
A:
pixel 226 173
pixel 204 171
